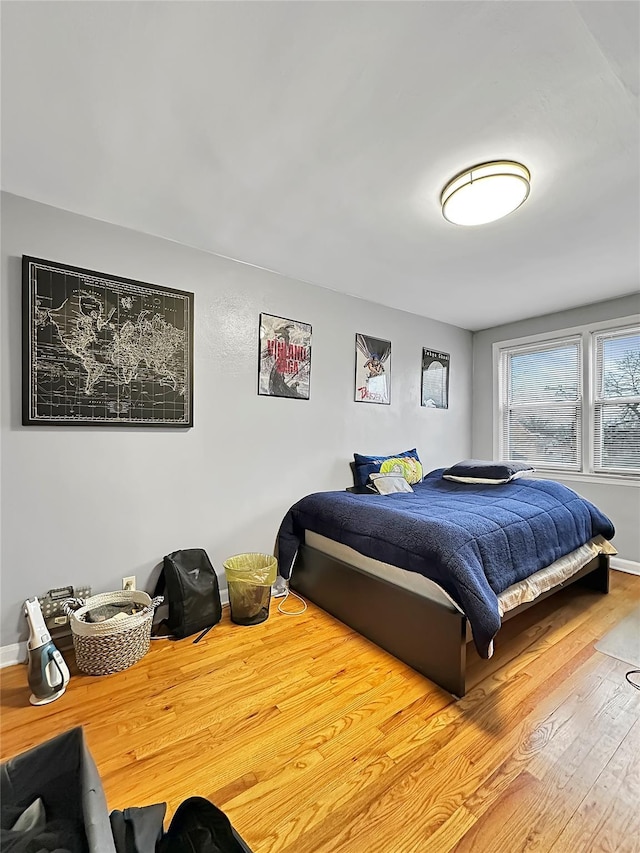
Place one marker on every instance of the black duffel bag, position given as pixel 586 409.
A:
pixel 196 827
pixel 200 826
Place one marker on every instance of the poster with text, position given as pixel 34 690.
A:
pixel 285 357
pixel 373 370
pixel 435 379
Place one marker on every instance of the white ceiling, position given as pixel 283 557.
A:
pixel 314 138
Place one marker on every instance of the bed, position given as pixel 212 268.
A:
pixel 422 574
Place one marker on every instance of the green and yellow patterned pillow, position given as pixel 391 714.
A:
pixel 407 464
pixel 409 467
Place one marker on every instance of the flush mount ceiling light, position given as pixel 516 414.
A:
pixel 485 192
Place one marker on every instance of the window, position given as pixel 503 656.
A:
pixel 542 407
pixel 572 403
pixel 617 401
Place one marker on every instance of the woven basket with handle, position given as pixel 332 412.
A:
pixel 115 644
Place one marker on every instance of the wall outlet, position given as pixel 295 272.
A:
pixel 129 583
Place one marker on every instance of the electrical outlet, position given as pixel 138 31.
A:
pixel 129 583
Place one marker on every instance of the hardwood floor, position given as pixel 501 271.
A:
pixel 315 741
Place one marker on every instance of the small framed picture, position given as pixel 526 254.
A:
pixel 285 358
pixel 373 370
pixel 435 379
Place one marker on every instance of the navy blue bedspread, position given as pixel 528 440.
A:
pixel 473 540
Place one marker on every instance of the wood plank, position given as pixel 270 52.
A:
pixel 554 771
pixel 315 741
pixel 608 818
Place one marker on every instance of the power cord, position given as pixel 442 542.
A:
pixel 630 680
pixel 289 592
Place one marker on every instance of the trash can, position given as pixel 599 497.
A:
pixel 249 578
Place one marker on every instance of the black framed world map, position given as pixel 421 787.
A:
pixel 99 350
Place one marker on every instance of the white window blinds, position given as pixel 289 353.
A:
pixel 541 404
pixel 617 401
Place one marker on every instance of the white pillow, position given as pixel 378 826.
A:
pixel 485 480
pixel 388 484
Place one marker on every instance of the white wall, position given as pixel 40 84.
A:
pixel 621 502
pixel 89 505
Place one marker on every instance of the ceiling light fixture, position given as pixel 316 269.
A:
pixel 485 192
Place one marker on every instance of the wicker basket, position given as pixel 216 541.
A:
pixel 111 646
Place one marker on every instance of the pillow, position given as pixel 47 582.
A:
pixel 389 484
pixel 407 464
pixel 483 471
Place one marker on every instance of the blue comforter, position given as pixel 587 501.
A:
pixel 472 540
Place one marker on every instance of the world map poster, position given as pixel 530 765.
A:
pixel 102 350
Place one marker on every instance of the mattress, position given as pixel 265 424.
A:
pixel 473 540
pixel 522 592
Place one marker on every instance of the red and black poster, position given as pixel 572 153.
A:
pixel 285 357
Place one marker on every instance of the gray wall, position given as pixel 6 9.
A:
pixel 90 505
pixel 620 501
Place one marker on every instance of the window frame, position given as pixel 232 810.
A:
pixel 504 365
pixel 587 334
pixel 600 400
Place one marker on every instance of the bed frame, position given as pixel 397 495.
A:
pixel 427 635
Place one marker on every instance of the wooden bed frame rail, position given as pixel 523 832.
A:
pixel 427 635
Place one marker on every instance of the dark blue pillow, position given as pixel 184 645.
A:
pixel 485 471
pixel 406 463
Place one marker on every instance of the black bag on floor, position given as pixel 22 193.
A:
pixel 192 591
pixel 200 826
pixel 138 830
pixel 62 774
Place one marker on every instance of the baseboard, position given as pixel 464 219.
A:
pixel 629 566
pixel 15 653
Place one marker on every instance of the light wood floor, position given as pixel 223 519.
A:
pixel 312 739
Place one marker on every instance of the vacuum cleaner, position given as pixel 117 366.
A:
pixel 48 673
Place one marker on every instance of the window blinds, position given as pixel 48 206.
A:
pixel 617 401
pixel 541 404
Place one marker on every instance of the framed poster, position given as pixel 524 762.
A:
pixel 373 370
pixel 99 350
pixel 435 379
pixel 285 357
